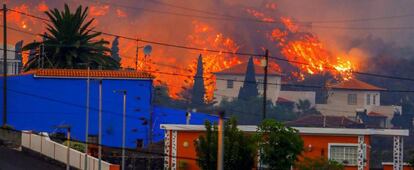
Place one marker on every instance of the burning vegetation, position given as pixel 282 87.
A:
pixel 286 37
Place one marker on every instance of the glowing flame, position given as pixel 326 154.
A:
pixel 99 10
pixel 42 7
pixel 207 37
pixel 120 13
pixel 305 50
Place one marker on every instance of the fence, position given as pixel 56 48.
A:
pixel 43 145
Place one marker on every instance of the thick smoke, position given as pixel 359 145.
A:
pixel 172 22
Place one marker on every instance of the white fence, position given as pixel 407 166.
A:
pixel 56 151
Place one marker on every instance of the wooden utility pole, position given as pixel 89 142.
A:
pixel 266 66
pixel 136 55
pixel 4 65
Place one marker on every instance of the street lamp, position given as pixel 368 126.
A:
pixel 100 127
pixel 124 92
pixel 87 114
pixel 67 127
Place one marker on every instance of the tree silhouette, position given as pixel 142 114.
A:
pixel 115 50
pixel 70 42
pixel 239 152
pixel 199 91
pixel 249 88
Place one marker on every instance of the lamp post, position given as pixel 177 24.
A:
pixel 124 92
pixel 100 127
pixel 87 114
pixel 67 127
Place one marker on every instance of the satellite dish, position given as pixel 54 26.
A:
pixel 147 50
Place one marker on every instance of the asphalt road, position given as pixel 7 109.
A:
pixel 15 160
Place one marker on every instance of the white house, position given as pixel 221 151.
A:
pixel 229 82
pixel 12 62
pixel 348 97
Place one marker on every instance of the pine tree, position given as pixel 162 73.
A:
pixel 198 87
pixel 249 88
pixel 115 50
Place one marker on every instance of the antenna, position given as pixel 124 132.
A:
pixel 147 50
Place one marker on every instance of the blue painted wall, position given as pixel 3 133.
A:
pixel 41 104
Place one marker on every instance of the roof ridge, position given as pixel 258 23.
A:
pixel 82 73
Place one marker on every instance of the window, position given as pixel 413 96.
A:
pixel 140 143
pixel 352 99
pixel 368 99
pixel 346 154
pixel 374 99
pixel 230 84
pixel 260 84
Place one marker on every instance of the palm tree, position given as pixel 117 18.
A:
pixel 69 43
pixel 304 108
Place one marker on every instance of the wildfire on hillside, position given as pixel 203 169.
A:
pixel 305 50
pixel 207 37
pixel 309 54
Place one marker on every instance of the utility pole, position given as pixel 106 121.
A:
pixel 100 127
pixel 220 152
pixel 87 118
pixel 136 55
pixel 4 65
pixel 266 66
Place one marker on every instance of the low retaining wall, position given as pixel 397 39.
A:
pixel 45 146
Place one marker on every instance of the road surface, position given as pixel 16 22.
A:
pixel 15 160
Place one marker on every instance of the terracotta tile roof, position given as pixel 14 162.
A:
pixel 240 69
pixel 83 73
pixel 375 114
pixel 355 84
pixel 325 121
pixel 283 100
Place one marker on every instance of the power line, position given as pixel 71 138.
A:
pixel 153 42
pixel 225 17
pixel 225 52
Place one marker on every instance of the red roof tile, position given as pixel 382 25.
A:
pixel 76 73
pixel 355 84
pixel 240 69
pixel 283 100
pixel 375 114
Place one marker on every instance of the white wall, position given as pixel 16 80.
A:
pixel 221 91
pixel 12 62
pixel 340 97
pixel 337 104
pixel 56 151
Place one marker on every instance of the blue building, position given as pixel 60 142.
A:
pixel 43 99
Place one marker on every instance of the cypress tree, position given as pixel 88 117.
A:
pixel 198 87
pixel 115 50
pixel 249 88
